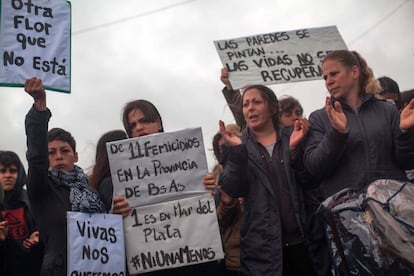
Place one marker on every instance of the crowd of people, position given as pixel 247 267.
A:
pixel 274 168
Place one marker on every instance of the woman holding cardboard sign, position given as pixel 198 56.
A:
pixel 141 118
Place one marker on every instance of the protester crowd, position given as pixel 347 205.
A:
pixel 274 169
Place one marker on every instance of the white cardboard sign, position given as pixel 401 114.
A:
pixel 95 244
pixel 35 38
pixel 159 167
pixel 172 234
pixel 278 57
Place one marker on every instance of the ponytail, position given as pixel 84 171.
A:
pixel 367 81
pixel 366 77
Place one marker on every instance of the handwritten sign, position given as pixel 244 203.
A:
pixel 158 167
pixel 172 234
pixel 95 244
pixel 35 41
pixel 279 57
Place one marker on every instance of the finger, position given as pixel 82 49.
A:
pixel 118 199
pixel 125 212
pixel 328 105
pixel 222 128
pixel 305 122
pixel 338 107
pixel 411 104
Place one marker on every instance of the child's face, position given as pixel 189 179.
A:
pixel 8 177
pixel 61 156
pixel 288 118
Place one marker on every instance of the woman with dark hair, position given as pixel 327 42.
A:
pixel 357 138
pixel 100 178
pixel 21 254
pixel 260 168
pixel 140 118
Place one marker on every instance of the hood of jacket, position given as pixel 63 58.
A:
pixel 17 197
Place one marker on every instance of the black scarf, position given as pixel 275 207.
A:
pixel 81 197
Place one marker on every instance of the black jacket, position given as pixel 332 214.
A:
pixel 246 175
pixel 373 148
pixel 15 259
pixel 49 201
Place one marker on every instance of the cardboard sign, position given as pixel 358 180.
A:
pixel 95 244
pixel 35 42
pixel 279 57
pixel 172 234
pixel 159 167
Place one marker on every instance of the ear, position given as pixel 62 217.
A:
pixel 355 72
pixel 76 157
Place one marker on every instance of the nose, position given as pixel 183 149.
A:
pixel 58 155
pixel 138 128
pixel 8 173
pixel 250 106
pixel 329 81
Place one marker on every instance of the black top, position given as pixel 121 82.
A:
pixel 49 201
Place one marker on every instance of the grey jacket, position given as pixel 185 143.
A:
pixel 373 148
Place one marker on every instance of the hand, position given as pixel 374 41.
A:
pixel 225 78
pixel 32 240
pixel 209 181
pixel 225 198
pixel 121 206
pixel 34 87
pixel 3 230
pixel 407 116
pixel 336 115
pixel 300 129
pixel 229 138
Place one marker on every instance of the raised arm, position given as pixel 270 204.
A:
pixel 36 123
pixel 233 99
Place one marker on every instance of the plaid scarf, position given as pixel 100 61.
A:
pixel 81 197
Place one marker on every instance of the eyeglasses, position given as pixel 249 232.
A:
pixel 10 170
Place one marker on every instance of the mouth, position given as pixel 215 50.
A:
pixel 7 182
pixel 332 90
pixel 252 117
pixel 60 167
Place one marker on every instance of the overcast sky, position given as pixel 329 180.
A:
pixel 163 51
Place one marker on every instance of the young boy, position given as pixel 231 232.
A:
pixel 55 183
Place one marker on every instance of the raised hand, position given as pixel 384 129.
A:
pixel 34 87
pixel 300 129
pixel 336 115
pixel 225 78
pixel 229 138
pixel 407 116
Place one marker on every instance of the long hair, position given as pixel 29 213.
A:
pixel 367 81
pixel 270 98
pixel 147 108
pixel 101 167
